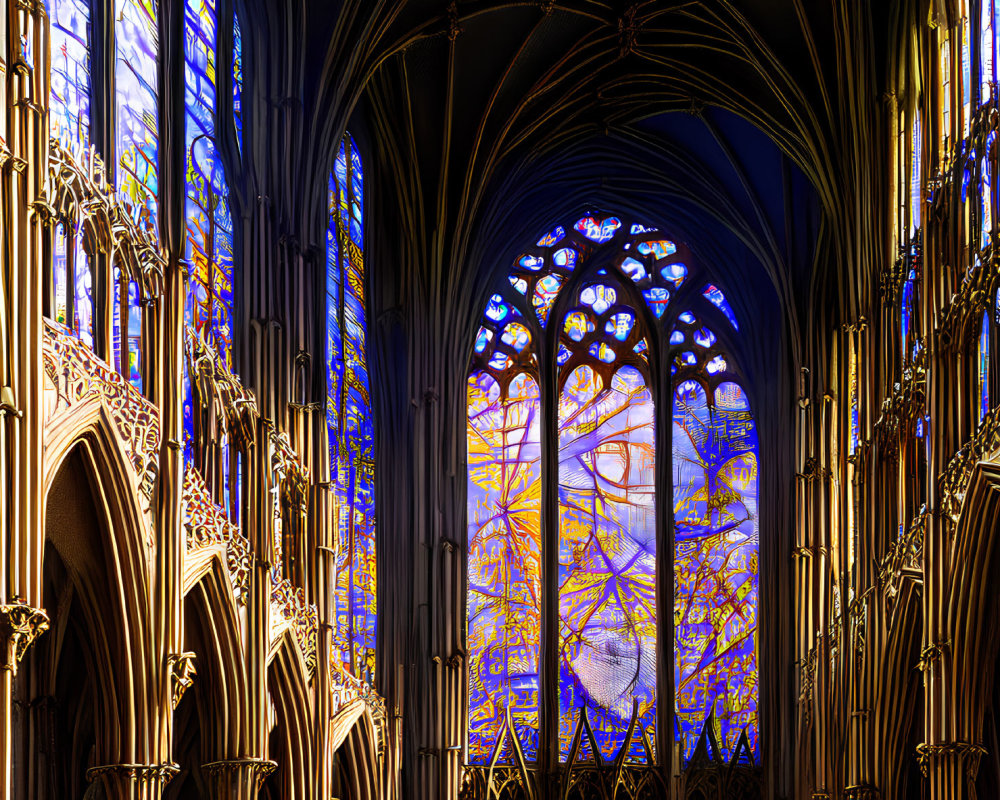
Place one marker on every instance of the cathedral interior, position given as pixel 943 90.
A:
pixel 377 375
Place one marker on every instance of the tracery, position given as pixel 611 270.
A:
pixel 588 310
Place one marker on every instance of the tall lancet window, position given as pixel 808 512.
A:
pixel 987 50
pixel 983 367
pixel 349 415
pixel 70 30
pixel 69 105
pixel 208 219
pixel 137 123
pixel 590 311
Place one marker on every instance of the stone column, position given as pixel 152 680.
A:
pixel 20 625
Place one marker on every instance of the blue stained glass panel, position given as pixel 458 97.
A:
pixel 350 421
pixel 715 296
pixel 607 560
pixel 209 223
pixel 715 565
pixel 238 80
pixel 60 275
pixel 137 129
pixel 504 564
pixel 984 368
pixel 69 104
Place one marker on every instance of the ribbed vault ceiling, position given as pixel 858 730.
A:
pixel 732 124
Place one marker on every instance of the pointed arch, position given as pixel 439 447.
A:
pixel 287 684
pixel 95 537
pixel 212 632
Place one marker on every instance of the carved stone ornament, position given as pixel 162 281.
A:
pixel 969 753
pixel 20 625
pixel 182 673
pixel 162 773
pixel 862 792
pixel 261 768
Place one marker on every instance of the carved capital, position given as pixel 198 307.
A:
pixel 930 654
pixel 160 773
pixel 258 768
pixel 862 792
pixel 964 752
pixel 20 625
pixel 182 672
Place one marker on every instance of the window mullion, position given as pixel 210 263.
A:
pixel 664 411
pixel 549 750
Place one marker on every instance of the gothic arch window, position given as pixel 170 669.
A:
pixel 349 415
pixel 604 337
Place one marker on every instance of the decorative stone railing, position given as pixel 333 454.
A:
pixel 81 196
pixel 954 482
pixel 345 689
pixel 76 374
pixel 289 607
pixel 960 318
pixel 206 525
pixel 906 554
pixel 903 406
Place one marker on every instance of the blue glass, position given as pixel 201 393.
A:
pixel 137 105
pixel 349 415
pixel 69 102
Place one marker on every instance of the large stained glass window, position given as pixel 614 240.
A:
pixel 607 660
pixel 69 105
pixel 208 219
pixel 137 128
pixel 349 415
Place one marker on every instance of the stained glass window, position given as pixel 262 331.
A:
pixel 84 299
pixel 137 128
pixel 127 344
pixel 966 72
pixel 715 563
pixel 238 79
pixel 906 312
pixel 60 277
pixel 984 368
pixel 607 559
pixel 916 148
pixel 607 657
pixel 209 223
pixel 986 50
pixel 504 561
pixel 715 296
pixel 855 402
pixel 986 193
pixel 944 65
pixel 349 415
pixel 69 105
